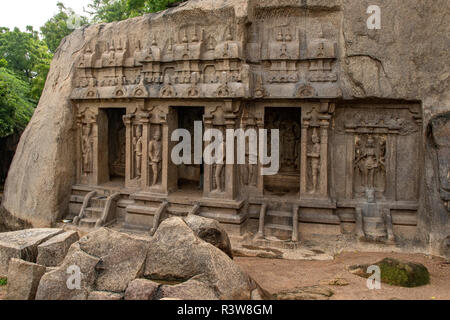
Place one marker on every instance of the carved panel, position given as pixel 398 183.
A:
pixel 381 146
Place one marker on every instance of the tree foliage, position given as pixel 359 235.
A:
pixel 55 29
pixel 16 108
pixel 117 10
pixel 27 56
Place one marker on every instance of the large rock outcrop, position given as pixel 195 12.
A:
pixel 406 59
pixel 175 263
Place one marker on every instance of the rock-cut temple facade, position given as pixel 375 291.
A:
pixel 362 156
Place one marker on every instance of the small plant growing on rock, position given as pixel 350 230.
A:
pixel 3 282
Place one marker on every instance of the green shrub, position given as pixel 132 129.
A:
pixel 3 282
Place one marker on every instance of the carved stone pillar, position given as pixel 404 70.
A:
pixel 230 169
pixel 391 167
pixel 145 121
pixel 324 126
pixel 259 177
pixel 304 156
pixel 128 121
pixel 208 174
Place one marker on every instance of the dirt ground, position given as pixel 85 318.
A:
pixel 280 275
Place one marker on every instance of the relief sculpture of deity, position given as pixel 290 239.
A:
pixel 137 147
pixel 155 155
pixel 87 148
pixel 314 155
pixel 218 171
pixel 370 162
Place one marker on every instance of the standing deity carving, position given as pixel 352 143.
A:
pixel 155 155
pixel 314 155
pixel 138 147
pixel 370 162
pixel 87 148
pixel 219 165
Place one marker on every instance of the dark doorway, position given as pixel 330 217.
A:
pixel 190 176
pixel 116 145
pixel 288 121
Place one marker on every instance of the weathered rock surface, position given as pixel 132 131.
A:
pixel 210 231
pixel 23 279
pixel 52 252
pixel 22 245
pixel 177 264
pixel 103 295
pixel 142 289
pixel 176 253
pixel 193 289
pixel 73 280
pixel 122 258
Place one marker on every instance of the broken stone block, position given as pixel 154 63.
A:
pixel 22 245
pixel 52 252
pixel 72 280
pixel 141 289
pixel 23 279
pixel 122 257
pixel 103 295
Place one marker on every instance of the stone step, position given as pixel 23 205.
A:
pixel 279 227
pixel 141 210
pixel 279 213
pixel 88 223
pixel 277 220
pixel 77 198
pixel 177 211
pixel 279 217
pixel 99 202
pixel 282 232
pixel 94 212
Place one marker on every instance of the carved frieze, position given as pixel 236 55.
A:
pixel 370 120
pixel 210 61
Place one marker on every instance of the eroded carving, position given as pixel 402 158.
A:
pixel 155 155
pixel 137 151
pixel 314 156
pixel 369 164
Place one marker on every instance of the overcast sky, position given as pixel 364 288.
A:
pixel 20 13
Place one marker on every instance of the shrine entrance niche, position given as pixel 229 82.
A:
pixel 116 145
pixel 288 121
pixel 190 177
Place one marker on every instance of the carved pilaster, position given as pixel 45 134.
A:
pixel 324 129
pixel 304 158
pixel 208 174
pixel 128 121
pixel 145 122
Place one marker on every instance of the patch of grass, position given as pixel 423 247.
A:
pixel 3 282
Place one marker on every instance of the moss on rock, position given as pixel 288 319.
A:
pixel 397 273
